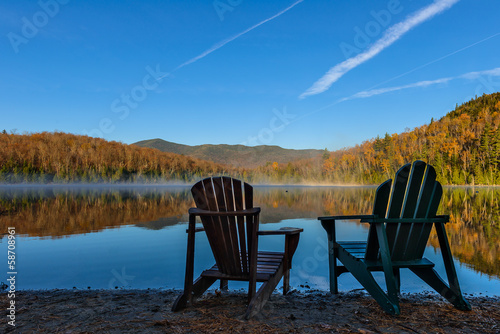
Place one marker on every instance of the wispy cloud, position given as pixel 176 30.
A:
pixel 230 39
pixel 475 75
pixel 391 35
pixel 468 76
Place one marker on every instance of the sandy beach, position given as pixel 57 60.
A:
pixel 148 311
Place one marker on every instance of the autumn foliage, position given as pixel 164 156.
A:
pixel 61 157
pixel 463 146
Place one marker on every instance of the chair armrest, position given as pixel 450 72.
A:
pixel 282 231
pixel 376 219
pixel 347 217
pixel 436 219
pixel 208 213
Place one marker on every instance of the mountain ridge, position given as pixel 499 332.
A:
pixel 234 155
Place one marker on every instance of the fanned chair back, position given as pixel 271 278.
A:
pixel 415 193
pixel 230 237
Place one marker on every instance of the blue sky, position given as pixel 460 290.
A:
pixel 298 74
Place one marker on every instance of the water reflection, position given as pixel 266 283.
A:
pixel 53 212
pixel 474 228
pixel 60 211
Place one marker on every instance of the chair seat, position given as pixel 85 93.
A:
pixel 268 264
pixel 357 250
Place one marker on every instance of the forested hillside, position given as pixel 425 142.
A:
pixel 61 157
pixel 463 146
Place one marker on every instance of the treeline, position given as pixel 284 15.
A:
pixel 463 146
pixel 61 157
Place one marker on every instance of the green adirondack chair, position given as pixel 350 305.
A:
pixel 403 215
pixel 231 224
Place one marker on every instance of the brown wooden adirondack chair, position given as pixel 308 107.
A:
pixel 400 226
pixel 231 223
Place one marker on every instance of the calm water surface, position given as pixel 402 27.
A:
pixel 134 236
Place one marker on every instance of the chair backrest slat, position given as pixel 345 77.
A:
pixel 238 202
pixel 229 238
pixel 396 201
pixel 433 207
pixel 213 225
pixel 380 209
pixel 248 191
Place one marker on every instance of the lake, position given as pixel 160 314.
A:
pixel 132 236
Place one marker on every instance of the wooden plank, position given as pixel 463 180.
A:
pixel 251 224
pixel 413 189
pixel 329 226
pixel 201 201
pixel 409 208
pixel 263 294
pixel 398 192
pixel 379 209
pixel 238 202
pixel 213 227
pixel 426 192
pixel 260 277
pixel 248 196
pixel 422 263
pixel 359 270
pixel 233 231
pixel 198 192
pixel 396 202
pixel 431 212
pixel 385 256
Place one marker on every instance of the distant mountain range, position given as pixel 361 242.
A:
pixel 234 155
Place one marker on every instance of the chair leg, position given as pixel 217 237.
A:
pixel 224 285
pixel 397 278
pixel 291 243
pixel 180 303
pixel 332 256
pixel 431 277
pixel 187 295
pixel 263 294
pixel 198 288
pixel 358 269
pixel 286 281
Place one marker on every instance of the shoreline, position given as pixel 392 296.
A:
pixel 189 184
pixel 149 311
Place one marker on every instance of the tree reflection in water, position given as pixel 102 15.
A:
pixel 53 212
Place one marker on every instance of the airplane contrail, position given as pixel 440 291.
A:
pixel 390 36
pixel 230 39
pixel 468 76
